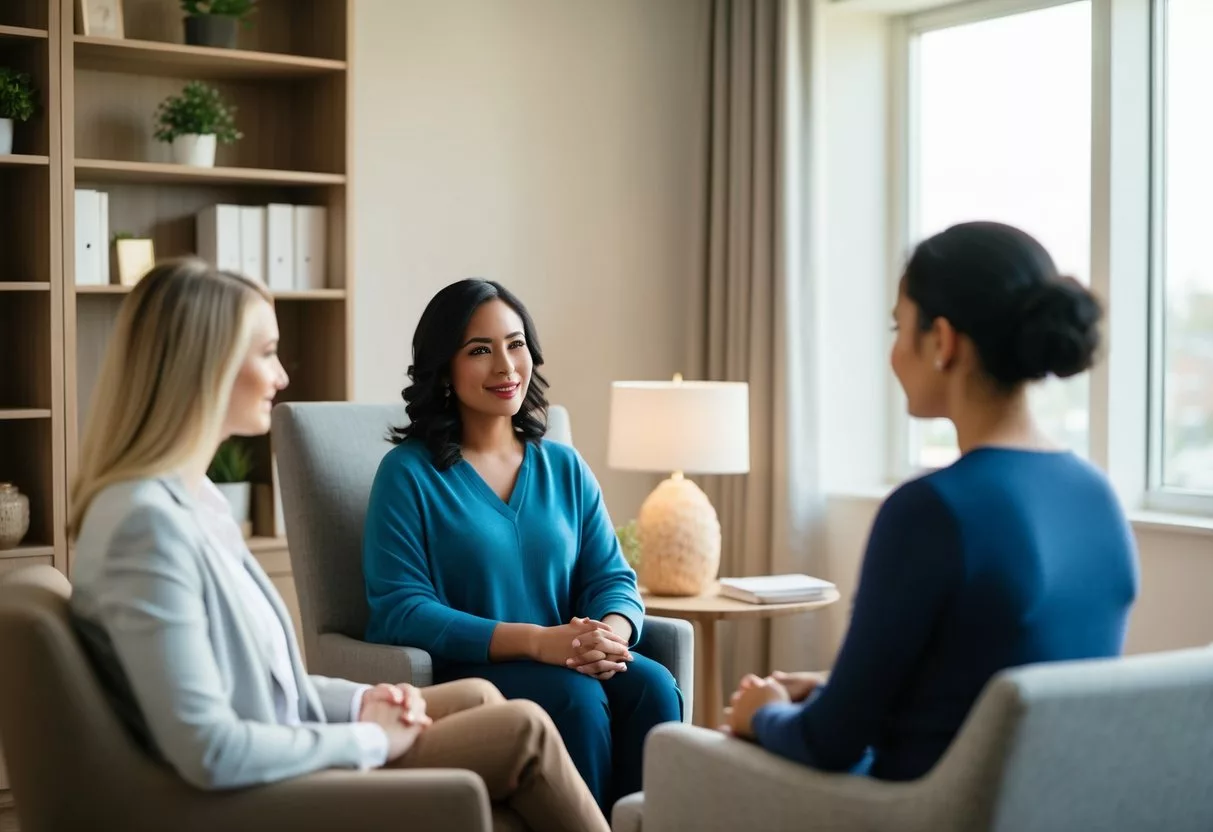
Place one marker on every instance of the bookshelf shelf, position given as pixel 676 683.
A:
pixel 157 173
pixel 16 414
pixel 201 62
pixel 22 160
pixel 27 286
pixel 22 33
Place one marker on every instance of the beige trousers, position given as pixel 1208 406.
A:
pixel 515 748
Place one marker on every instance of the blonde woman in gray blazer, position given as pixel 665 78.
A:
pixel 194 643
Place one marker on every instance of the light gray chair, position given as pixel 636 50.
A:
pixel 75 768
pixel 328 454
pixel 1120 745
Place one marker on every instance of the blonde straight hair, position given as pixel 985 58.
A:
pixel 180 339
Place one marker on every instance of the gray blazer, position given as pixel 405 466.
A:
pixel 158 614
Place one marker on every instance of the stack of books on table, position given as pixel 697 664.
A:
pixel 776 589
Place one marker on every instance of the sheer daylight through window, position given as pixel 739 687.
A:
pixel 1185 223
pixel 1001 130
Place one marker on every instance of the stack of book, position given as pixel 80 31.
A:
pixel 776 589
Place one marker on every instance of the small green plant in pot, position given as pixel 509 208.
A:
pixel 17 102
pixel 215 22
pixel 194 122
pixel 229 471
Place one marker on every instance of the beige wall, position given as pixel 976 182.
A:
pixel 554 145
pixel 1172 611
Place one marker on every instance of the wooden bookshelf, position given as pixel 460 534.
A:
pixel 289 80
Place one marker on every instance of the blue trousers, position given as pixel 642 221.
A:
pixel 603 724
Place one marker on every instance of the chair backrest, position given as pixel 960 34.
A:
pixel 328 453
pixel 1121 744
pixel 71 762
pixel 1112 744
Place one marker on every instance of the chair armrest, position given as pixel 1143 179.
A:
pixel 671 643
pixel 375 801
pixel 703 780
pixel 359 661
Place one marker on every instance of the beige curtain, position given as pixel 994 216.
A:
pixel 751 308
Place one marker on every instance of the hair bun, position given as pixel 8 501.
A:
pixel 1059 334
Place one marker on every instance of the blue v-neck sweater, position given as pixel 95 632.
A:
pixel 445 559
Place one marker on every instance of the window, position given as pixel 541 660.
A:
pixel 999 128
pixel 1182 334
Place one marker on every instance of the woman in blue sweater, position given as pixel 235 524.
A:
pixel 491 548
pixel 1017 553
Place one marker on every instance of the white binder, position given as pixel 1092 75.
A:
pixel 310 232
pixel 252 242
pixel 280 246
pixel 103 236
pixel 89 248
pixel 218 237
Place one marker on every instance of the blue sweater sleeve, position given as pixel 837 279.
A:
pixel 405 608
pixel 912 566
pixel 603 583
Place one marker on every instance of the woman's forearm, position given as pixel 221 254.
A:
pixel 513 641
pixel 619 625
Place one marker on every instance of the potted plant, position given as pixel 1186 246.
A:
pixel 229 471
pixel 215 22
pixel 194 122
pixel 17 97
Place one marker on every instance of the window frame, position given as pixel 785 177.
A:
pixel 1159 496
pixel 1124 405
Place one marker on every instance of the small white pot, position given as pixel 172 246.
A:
pixel 194 150
pixel 237 495
pixel 6 136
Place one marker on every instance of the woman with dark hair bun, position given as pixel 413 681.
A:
pixel 491 548
pixel 1017 553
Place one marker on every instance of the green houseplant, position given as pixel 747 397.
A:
pixel 17 101
pixel 229 471
pixel 215 22
pixel 193 122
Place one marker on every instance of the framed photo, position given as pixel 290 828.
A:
pixel 135 259
pixel 100 18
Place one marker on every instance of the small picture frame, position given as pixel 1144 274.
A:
pixel 135 258
pixel 100 18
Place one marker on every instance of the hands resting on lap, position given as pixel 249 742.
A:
pixel 400 711
pixel 754 692
pixel 588 646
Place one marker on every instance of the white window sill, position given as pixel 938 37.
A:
pixel 1141 520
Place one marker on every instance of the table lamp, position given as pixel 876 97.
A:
pixel 679 427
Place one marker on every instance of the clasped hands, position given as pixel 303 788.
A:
pixel 754 692
pixel 400 711
pixel 588 646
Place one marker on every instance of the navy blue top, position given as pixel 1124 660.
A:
pixel 446 559
pixel 1008 557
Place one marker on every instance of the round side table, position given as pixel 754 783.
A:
pixel 705 611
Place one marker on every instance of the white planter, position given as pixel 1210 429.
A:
pixel 6 136
pixel 237 495
pixel 198 151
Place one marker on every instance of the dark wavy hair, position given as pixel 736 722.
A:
pixel 433 413
pixel 999 286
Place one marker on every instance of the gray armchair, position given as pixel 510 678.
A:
pixel 1118 745
pixel 75 768
pixel 327 457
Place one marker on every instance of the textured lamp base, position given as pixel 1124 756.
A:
pixel 679 539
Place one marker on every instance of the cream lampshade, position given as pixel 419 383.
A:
pixel 679 427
